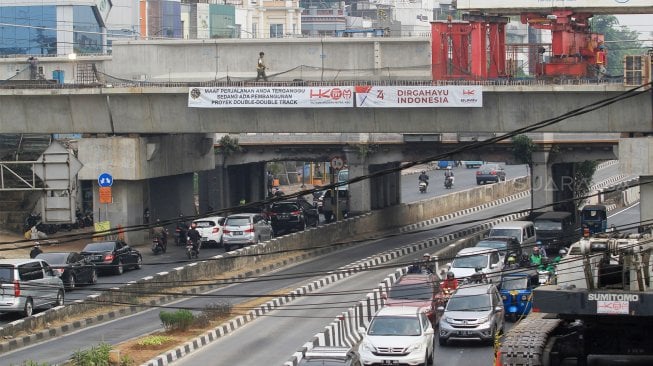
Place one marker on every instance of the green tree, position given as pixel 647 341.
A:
pixel 620 41
pixel 522 149
pixel 582 180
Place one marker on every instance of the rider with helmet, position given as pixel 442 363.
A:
pixel 451 283
pixel 423 177
pixel 448 173
pixel 536 257
pixel 194 236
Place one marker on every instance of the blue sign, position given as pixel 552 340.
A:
pixel 105 180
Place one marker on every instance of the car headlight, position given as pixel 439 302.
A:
pixel 524 297
pixel 416 347
pixel 449 320
pixel 367 346
pixel 504 297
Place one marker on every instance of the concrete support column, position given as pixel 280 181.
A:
pixel 541 180
pixel 359 193
pixel 385 191
pixel 646 198
pixel 129 201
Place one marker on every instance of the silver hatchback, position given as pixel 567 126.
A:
pixel 28 284
pixel 245 229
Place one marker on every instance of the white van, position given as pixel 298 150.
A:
pixel 524 231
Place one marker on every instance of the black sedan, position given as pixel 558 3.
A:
pixel 113 256
pixel 73 268
pixel 292 215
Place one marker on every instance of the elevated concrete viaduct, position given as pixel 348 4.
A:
pixel 155 135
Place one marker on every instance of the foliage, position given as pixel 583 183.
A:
pixel 228 145
pixel 95 356
pixel 181 319
pixel 522 149
pixel 582 180
pixel 213 311
pixel 620 41
pixel 154 340
pixel 33 363
pixel 364 150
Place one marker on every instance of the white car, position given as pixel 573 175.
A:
pixel 211 230
pixel 397 335
pixel 488 260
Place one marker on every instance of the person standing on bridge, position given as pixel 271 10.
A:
pixel 260 68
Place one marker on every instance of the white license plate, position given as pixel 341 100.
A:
pixel 238 233
pixel 205 239
pixel 390 362
pixel 464 333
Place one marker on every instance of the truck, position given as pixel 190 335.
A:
pixel 600 312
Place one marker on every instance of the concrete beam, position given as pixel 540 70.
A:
pixel 164 110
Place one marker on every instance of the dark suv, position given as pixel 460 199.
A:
pixel 292 215
pixel 490 173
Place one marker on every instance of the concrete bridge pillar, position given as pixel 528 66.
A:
pixel 153 172
pixel 541 180
pixel 385 190
pixel 224 187
pixel 635 157
pixel 359 192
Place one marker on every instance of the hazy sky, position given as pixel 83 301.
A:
pixel 643 23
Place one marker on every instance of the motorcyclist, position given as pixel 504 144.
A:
pixel 423 177
pixel 450 283
pixel 536 257
pixel 194 237
pixel 414 268
pixel 449 174
pixel 160 233
pixel 35 251
pixel 181 230
pixel 427 265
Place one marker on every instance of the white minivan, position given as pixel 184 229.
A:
pixel 523 231
pixel 468 260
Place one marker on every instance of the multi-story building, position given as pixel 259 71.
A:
pixel 51 27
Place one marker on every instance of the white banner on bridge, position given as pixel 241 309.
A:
pixel 368 96
pixel 272 97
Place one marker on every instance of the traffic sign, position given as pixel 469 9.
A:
pixel 337 162
pixel 105 180
pixel 105 195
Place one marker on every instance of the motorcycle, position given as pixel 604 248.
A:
pixel 158 246
pixel 180 235
pixel 422 187
pixel 191 252
pixel 448 182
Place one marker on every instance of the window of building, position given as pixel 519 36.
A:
pixel 86 31
pixel 276 30
pixel 35 33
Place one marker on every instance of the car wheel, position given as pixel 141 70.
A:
pixel 139 263
pixel 227 248
pixel 442 341
pixel 478 183
pixel 71 282
pixel 494 334
pixel 119 269
pixel 60 298
pixel 28 310
pixel 94 277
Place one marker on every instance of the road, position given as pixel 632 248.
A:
pixel 288 334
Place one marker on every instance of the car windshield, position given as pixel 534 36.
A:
pixel 411 291
pixel 99 247
pixel 505 232
pixel 547 225
pixel 285 207
pixel 53 258
pixel 395 326
pixel 501 245
pixel 488 168
pixel 201 224
pixel 470 261
pixel 514 283
pixel 237 221
pixel 469 303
